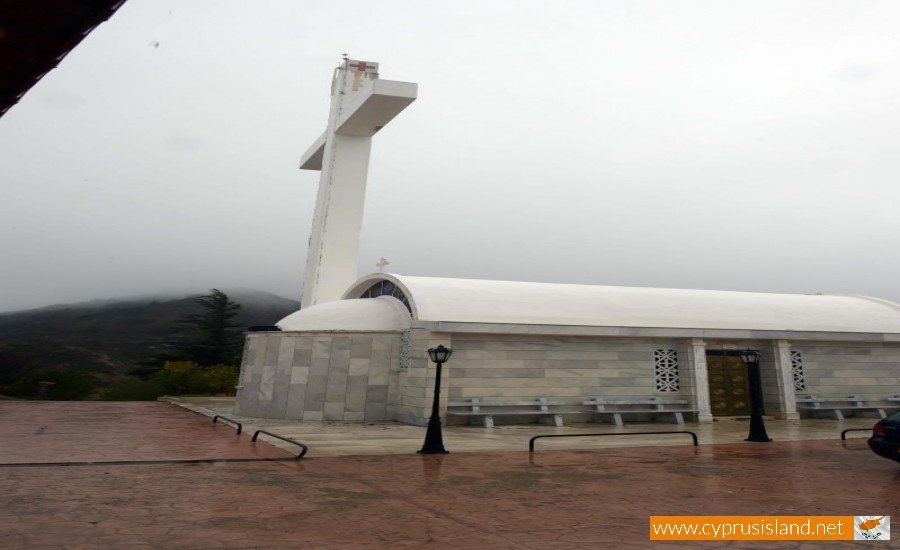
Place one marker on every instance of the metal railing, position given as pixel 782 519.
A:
pixel 239 426
pixel 844 433
pixel 533 439
pixel 303 448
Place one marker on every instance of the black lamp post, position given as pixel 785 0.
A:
pixel 434 439
pixel 757 409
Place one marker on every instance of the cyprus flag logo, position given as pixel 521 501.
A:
pixel 871 527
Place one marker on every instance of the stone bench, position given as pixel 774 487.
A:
pixel 618 407
pixel 487 410
pixel 838 405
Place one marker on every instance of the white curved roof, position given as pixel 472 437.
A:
pixel 379 314
pixel 481 301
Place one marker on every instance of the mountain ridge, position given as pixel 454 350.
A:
pixel 116 335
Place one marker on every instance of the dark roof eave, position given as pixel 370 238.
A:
pixel 37 36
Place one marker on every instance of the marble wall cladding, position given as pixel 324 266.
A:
pixel 246 402
pixel 317 376
pixel 302 357
pixel 296 402
pixel 286 351
pixel 278 404
pixel 357 394
pixel 392 375
pixel 361 347
pixel 848 368
pixel 251 389
pixel 773 400
pixel 273 345
pixel 357 376
pixel 336 390
pixel 267 384
pixel 412 388
pixel 569 368
pixel 685 370
pixel 248 357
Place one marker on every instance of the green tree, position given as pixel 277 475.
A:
pixel 211 337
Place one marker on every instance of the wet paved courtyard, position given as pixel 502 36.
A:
pixel 551 499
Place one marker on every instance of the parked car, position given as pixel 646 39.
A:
pixel 885 440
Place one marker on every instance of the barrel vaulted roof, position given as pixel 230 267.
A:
pixel 512 302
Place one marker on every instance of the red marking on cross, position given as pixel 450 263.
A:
pixel 362 66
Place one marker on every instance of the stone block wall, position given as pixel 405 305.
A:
pixel 414 383
pixel 356 376
pixel 339 376
pixel 837 369
pixel 514 367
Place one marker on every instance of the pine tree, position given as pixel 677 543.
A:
pixel 211 336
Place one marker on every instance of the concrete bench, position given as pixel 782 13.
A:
pixel 838 405
pixel 487 410
pixel 652 406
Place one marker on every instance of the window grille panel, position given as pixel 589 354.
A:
pixel 666 361
pixel 404 349
pixel 797 371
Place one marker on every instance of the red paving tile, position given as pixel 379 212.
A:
pixel 555 500
pixel 67 431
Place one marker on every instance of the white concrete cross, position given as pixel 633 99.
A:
pixel 381 264
pixel 361 104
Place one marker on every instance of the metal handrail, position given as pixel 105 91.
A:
pixel 240 426
pixel 532 440
pixel 303 448
pixel 844 433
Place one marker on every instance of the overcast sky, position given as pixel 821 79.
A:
pixel 688 144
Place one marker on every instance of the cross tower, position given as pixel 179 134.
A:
pixel 361 104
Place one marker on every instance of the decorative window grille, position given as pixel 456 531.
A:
pixel 404 349
pixel 666 370
pixel 797 371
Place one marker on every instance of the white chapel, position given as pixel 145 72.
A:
pixel 356 350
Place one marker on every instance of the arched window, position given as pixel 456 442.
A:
pixel 387 288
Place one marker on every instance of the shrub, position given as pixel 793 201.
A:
pixel 175 376
pixel 133 388
pixel 219 379
pixel 181 377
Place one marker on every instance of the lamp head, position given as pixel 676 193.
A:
pixel 750 357
pixel 439 354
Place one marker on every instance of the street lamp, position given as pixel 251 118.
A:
pixel 757 409
pixel 434 440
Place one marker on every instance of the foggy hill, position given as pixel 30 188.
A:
pixel 114 335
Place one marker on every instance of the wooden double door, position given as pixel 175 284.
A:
pixel 729 386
